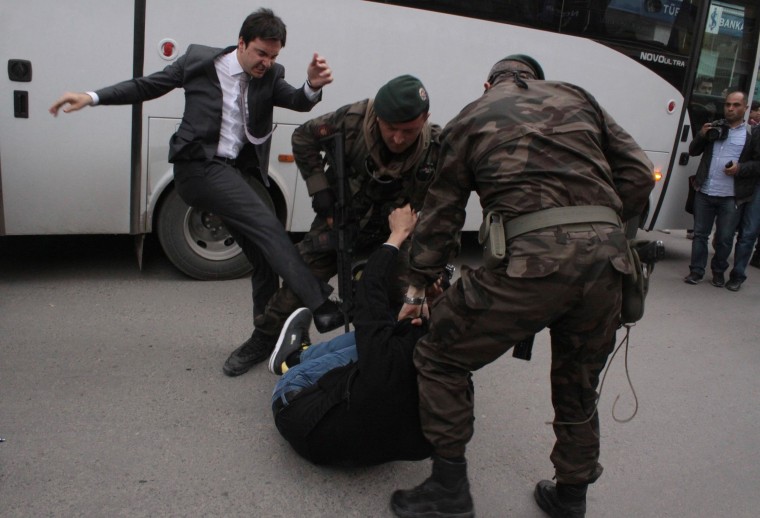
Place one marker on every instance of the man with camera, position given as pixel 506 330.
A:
pixel 725 179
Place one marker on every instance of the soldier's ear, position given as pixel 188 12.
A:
pixel 487 86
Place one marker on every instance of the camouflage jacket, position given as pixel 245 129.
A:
pixel 524 150
pixel 370 199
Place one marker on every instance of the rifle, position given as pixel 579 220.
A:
pixel 333 146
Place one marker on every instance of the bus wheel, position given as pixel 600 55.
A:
pixel 198 243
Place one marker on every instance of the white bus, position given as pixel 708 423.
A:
pixel 105 170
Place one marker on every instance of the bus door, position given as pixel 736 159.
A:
pixel 69 175
pixel 727 60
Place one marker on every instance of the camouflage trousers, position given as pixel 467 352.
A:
pixel 322 260
pixel 566 280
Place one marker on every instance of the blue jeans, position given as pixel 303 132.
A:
pixel 315 362
pixel 748 232
pixel 723 212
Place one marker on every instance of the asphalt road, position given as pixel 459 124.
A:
pixel 113 402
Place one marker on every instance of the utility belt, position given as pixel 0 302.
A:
pixel 494 232
pixel 642 255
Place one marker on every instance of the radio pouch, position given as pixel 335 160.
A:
pixel 491 236
pixel 636 284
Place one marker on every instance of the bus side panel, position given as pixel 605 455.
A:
pixel 69 174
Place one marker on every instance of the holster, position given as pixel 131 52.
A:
pixel 494 242
pixel 643 255
pixel 635 288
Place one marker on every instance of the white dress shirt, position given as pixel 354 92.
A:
pixel 231 135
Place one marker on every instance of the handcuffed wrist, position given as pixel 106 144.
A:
pixel 414 301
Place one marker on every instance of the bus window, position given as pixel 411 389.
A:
pixel 659 34
pixel 656 33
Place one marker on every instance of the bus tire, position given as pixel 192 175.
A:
pixel 198 243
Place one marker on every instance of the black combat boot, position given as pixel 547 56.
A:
pixel 561 500
pixel 254 350
pixel 446 494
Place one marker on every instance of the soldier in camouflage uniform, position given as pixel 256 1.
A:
pixel 525 146
pixel 390 151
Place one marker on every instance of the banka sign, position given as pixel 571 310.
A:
pixel 725 22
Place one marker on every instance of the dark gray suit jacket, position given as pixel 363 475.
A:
pixel 198 135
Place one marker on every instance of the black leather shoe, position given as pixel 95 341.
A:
pixel 692 278
pixel 718 280
pixel 255 350
pixel 565 501
pixel 328 317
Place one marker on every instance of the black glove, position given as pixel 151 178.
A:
pixel 323 203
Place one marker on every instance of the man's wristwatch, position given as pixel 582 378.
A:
pixel 414 301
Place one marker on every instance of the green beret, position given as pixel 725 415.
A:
pixel 401 99
pixel 520 58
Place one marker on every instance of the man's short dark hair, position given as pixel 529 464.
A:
pixel 736 90
pixel 755 105
pixel 263 24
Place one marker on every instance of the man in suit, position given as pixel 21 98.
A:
pixel 230 95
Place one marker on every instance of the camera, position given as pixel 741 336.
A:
pixel 718 130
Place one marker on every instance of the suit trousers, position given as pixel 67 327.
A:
pixel 220 188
